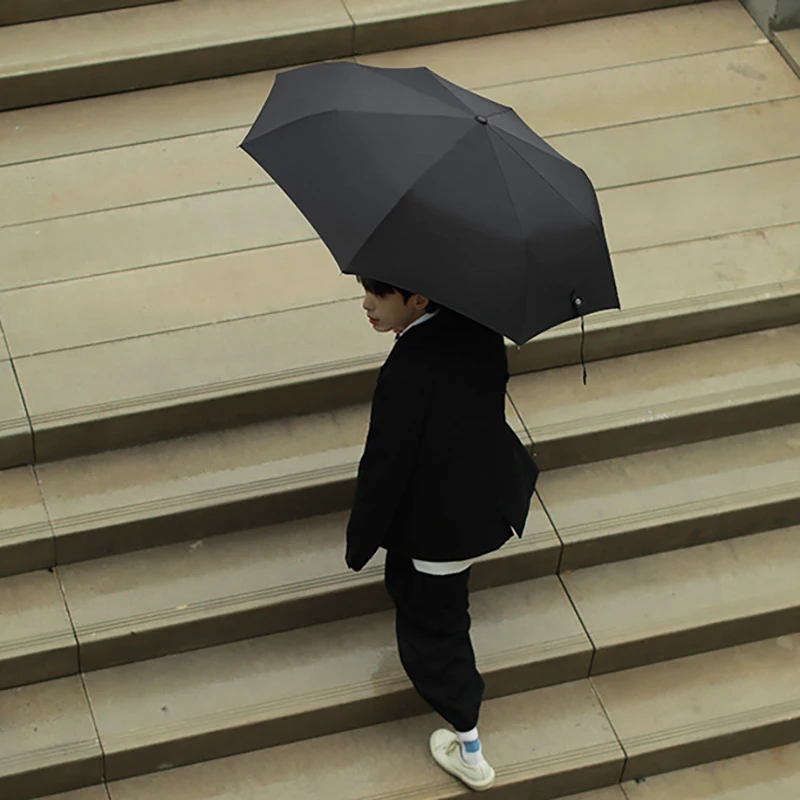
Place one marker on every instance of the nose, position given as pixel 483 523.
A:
pixel 368 305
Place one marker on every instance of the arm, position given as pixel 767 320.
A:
pixel 399 408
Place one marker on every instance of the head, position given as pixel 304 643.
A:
pixel 391 309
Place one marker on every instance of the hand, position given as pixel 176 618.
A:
pixel 356 562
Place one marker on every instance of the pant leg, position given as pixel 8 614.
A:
pixel 433 639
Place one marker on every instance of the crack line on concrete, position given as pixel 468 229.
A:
pixel 127 206
pixel 760 43
pixel 571 600
pixel 68 611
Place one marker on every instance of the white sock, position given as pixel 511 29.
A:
pixel 471 750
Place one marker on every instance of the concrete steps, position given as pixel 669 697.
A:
pixel 185 40
pixel 252 692
pixel 187 489
pixel 222 589
pixel 182 598
pixel 124 265
pixel 544 742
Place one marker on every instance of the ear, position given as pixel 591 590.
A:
pixel 419 302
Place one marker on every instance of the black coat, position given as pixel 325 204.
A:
pixel 443 477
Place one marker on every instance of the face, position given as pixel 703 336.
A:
pixel 392 312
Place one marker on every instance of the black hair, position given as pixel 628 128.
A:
pixel 381 289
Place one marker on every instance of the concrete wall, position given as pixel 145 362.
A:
pixel 774 15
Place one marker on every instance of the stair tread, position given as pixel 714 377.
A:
pixel 316 680
pixel 91 793
pixel 698 598
pixel 772 773
pixel 530 738
pixel 212 105
pixel 707 707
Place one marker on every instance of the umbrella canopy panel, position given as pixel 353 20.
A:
pixel 415 181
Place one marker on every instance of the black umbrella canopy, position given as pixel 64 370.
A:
pixel 412 180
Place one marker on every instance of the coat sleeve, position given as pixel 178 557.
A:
pixel 399 408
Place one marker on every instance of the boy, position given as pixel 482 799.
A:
pixel 442 481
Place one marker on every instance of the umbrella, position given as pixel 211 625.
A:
pixel 412 180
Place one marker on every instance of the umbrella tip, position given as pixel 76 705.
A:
pixel 481 119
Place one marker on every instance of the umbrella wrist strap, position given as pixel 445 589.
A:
pixel 583 348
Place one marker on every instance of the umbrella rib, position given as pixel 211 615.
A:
pixel 554 154
pixel 516 216
pixel 405 194
pixel 566 199
pixel 387 112
pixel 460 105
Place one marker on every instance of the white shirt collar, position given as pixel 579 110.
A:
pixel 424 318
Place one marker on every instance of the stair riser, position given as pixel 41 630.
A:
pixel 195 524
pixel 224 628
pixel 655 649
pixel 16 12
pixel 640 331
pixel 656 434
pixel 63 776
pixel 44 665
pixel 62 441
pixel 394 703
pixel 143 72
pixel 15 449
pixel 713 526
pixel 28 555
pixel 712 748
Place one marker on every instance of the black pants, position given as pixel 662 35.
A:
pixel 433 639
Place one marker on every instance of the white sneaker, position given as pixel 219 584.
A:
pixel 446 751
